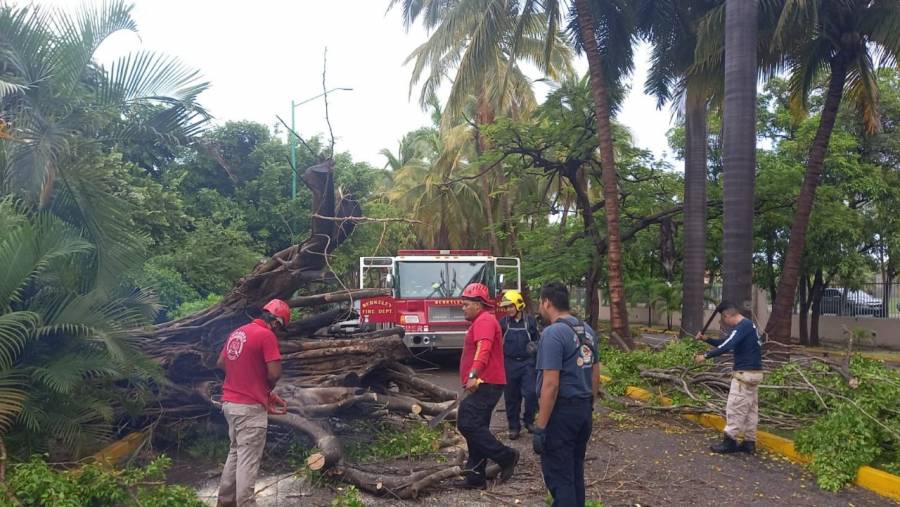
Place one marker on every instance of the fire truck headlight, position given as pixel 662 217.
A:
pixel 409 319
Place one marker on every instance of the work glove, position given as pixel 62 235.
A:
pixel 531 349
pixel 538 440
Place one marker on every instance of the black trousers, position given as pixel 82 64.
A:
pixel 474 422
pixel 562 462
pixel 520 378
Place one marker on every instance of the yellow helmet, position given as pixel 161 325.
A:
pixel 513 297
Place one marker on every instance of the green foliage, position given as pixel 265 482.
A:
pixel 35 483
pixel 860 426
pixel 412 440
pixel 195 306
pixel 349 497
pixel 624 367
pixel 208 447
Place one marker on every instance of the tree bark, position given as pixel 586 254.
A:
pixel 815 296
pixel 803 317
pixel 694 213
pixel 485 116
pixel 739 124
pixel 779 326
pixel 617 303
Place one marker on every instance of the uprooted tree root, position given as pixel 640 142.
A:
pixel 328 375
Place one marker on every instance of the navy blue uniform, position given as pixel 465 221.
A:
pixel 570 425
pixel 519 363
pixel 744 341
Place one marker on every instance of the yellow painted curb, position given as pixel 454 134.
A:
pixel 873 479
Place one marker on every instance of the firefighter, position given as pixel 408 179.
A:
pixel 252 363
pixel 520 337
pixel 742 409
pixel 483 376
pixel 568 370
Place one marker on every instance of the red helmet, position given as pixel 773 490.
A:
pixel 477 292
pixel 280 310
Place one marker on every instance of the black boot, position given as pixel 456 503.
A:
pixel 507 471
pixel 514 433
pixel 748 446
pixel 728 445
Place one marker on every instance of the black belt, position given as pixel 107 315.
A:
pixel 519 358
pixel 572 401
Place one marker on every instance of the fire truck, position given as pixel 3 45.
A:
pixel 425 289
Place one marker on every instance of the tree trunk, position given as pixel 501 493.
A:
pixel 485 116
pixel 739 125
pixel 443 242
pixel 694 213
pixel 592 293
pixel 770 264
pixel 815 295
pixel 617 302
pixel 803 316
pixel 779 326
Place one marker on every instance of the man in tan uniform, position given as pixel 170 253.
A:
pixel 742 410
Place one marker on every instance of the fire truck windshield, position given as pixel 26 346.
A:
pixel 430 279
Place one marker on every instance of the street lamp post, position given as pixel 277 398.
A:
pixel 293 136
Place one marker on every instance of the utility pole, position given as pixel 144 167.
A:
pixel 293 138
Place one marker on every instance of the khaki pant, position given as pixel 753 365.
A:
pixel 742 410
pixel 247 430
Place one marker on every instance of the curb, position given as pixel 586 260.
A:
pixel 873 479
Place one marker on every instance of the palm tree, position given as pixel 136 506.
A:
pixel 671 27
pixel 844 38
pixel 59 104
pixel 480 43
pixel 605 32
pixel 63 339
pixel 739 126
pixel 433 180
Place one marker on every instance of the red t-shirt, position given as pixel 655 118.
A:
pixel 485 330
pixel 246 351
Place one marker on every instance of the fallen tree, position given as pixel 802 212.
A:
pixel 327 375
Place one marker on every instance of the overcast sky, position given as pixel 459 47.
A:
pixel 261 54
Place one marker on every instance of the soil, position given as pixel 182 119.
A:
pixel 633 459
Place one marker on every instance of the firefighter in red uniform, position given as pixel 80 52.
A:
pixel 482 374
pixel 252 364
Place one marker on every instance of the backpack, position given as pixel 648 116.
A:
pixel 583 340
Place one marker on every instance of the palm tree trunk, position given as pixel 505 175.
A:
pixel 804 312
pixel 617 305
pixel 485 116
pixel 694 213
pixel 815 296
pixel 779 326
pixel 739 124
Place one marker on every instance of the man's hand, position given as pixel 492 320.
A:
pixel 700 336
pixel 472 384
pixel 538 440
pixel 699 358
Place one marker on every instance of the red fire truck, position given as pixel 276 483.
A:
pixel 425 286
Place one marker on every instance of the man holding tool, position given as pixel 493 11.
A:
pixel 482 374
pixel 252 363
pixel 742 409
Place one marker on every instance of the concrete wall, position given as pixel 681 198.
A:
pixel 831 327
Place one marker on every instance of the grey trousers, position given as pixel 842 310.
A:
pixel 247 426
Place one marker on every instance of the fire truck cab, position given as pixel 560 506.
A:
pixel 426 286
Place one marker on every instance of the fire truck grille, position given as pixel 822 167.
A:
pixel 445 314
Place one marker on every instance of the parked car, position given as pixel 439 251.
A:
pixel 856 302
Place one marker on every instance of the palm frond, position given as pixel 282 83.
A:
pixel 12 398
pixel 16 328
pixel 862 85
